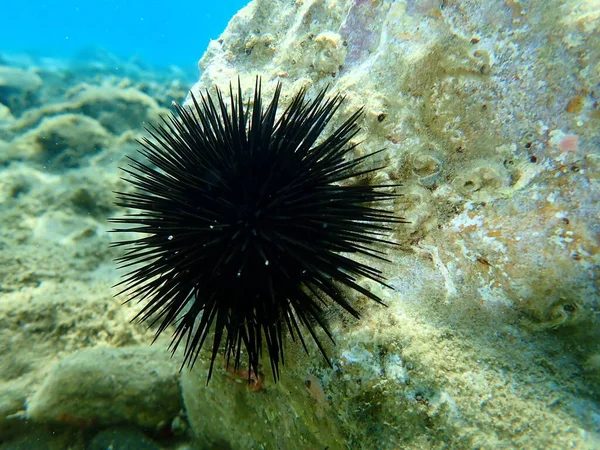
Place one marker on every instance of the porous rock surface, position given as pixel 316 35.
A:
pixel 489 115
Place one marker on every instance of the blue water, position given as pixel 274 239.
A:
pixel 161 33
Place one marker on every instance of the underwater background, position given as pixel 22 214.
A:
pixel 158 33
pixel 488 114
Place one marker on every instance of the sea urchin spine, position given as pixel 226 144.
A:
pixel 245 224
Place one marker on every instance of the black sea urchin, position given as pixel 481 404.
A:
pixel 245 223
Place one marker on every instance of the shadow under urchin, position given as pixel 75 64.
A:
pixel 245 226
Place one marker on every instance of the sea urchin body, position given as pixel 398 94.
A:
pixel 246 226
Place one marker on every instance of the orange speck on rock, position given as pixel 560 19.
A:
pixel 569 143
pixel 314 388
pixel 575 105
pixel 253 381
